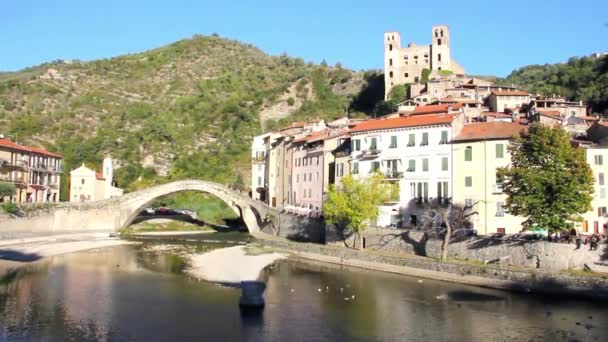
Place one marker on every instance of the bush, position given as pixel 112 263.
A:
pixel 10 208
pixel 291 101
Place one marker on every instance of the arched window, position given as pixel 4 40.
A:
pixel 390 74
pixel 436 34
pixel 390 47
pixel 439 57
pixel 442 32
pixel 438 41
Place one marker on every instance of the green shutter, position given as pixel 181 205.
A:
pixel 500 150
pixel 468 153
pixel 411 140
pixel 444 164
pixel 425 164
pixel 468 181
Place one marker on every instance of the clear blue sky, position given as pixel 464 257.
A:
pixel 487 37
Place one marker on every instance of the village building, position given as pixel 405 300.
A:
pixel 34 171
pixel 479 150
pixel 413 153
pixel 87 185
pixel 508 100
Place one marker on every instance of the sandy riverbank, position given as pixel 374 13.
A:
pixel 230 265
pixel 32 249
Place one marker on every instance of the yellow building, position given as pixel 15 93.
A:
pixel 596 220
pixel 479 150
pixel 34 171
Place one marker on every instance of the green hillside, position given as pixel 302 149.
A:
pixel 189 109
pixel 584 78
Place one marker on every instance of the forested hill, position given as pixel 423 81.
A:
pixel 584 78
pixel 188 109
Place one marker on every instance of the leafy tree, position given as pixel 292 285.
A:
pixel 354 203
pixel 548 181
pixel 450 217
pixel 425 75
pixel 397 95
pixel 7 189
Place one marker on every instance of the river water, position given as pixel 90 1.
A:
pixel 130 293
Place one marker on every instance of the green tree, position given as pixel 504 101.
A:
pixel 452 217
pixel 425 75
pixel 7 189
pixel 354 203
pixel 548 181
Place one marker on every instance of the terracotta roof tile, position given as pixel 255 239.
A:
pixel 99 176
pixel 405 121
pixel 435 109
pixel 43 151
pixel 12 145
pixel 489 130
pixel 510 93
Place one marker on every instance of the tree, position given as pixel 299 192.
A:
pixel 452 216
pixel 548 181
pixel 355 203
pixel 7 189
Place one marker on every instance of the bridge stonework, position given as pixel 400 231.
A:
pixel 118 212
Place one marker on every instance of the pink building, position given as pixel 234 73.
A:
pixel 307 174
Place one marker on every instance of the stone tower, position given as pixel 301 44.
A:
pixel 440 48
pixel 392 61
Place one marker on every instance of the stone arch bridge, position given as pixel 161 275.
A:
pixel 118 212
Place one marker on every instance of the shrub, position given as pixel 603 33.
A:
pixel 291 101
pixel 7 189
pixel 10 208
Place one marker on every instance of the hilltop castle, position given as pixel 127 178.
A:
pixel 405 65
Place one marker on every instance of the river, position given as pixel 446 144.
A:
pixel 136 293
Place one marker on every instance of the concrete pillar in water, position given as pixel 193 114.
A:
pixel 252 294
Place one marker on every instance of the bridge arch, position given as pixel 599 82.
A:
pixel 130 205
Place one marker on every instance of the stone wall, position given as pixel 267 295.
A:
pixel 296 228
pixel 534 254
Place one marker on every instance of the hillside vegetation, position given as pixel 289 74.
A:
pixel 584 78
pixel 189 109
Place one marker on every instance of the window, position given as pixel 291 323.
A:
pixel 425 164
pixel 444 138
pixel 305 177
pixel 600 178
pixel 411 167
pixel 419 192
pixel 468 153
pixel 439 55
pixel 602 193
pixel 390 61
pixel 373 144
pixel 442 191
pixel 355 168
pixel 390 74
pixel 340 170
pixel 425 187
pixel 499 181
pixel 82 181
pixel 390 47
pixel 468 181
pixel 411 141
pixel 500 209
pixel 425 139
pixel 444 164
pixel 317 160
pixel 375 166
pixel 599 159
pixel 393 142
pixel 259 181
pixel 601 211
pixel 406 75
pixel 356 145
pixel 468 203
pixel 500 150
pixel 416 79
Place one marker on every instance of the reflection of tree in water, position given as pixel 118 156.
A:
pixel 162 262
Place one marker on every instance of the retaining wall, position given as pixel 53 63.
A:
pixel 533 254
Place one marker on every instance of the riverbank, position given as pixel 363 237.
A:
pixel 518 279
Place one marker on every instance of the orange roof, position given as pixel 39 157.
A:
pixel 489 130
pixel 45 152
pixel 589 118
pixel 435 109
pixel 99 176
pixel 404 121
pixel 297 124
pixel 12 145
pixel 510 92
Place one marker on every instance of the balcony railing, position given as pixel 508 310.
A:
pixel 53 185
pixel 259 159
pixel 393 175
pixel 371 153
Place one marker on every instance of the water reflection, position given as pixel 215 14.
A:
pixel 131 293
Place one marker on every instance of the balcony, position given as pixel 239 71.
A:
pixel 393 175
pixel 53 185
pixel 21 164
pixel 371 153
pixel 258 159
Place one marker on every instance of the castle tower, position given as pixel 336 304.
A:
pixel 392 61
pixel 440 48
